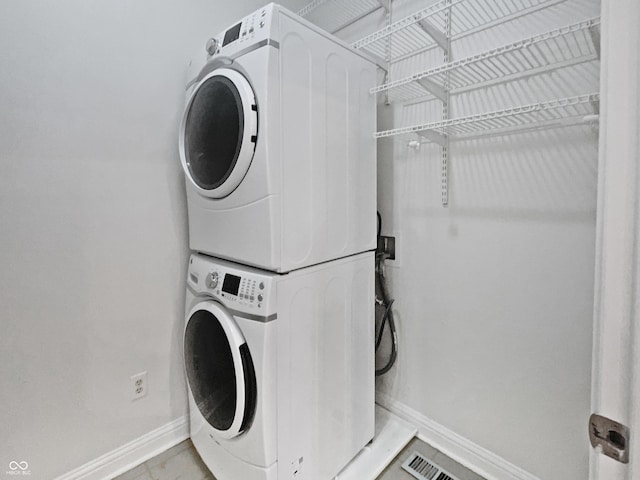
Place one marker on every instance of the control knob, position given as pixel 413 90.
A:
pixel 212 280
pixel 212 46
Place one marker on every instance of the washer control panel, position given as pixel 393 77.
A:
pixel 251 29
pixel 242 288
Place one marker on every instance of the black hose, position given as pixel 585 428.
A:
pixel 387 317
pixel 381 331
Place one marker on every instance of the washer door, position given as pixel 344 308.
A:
pixel 219 132
pixel 220 372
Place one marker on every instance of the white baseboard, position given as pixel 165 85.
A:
pixel 132 454
pixel 391 436
pixel 463 451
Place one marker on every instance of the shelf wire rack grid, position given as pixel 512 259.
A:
pixel 334 15
pixel 565 111
pixel 415 33
pixel 560 48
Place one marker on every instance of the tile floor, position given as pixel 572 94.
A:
pixel 178 463
pixel 183 463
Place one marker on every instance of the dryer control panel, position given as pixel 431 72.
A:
pixel 252 30
pixel 238 287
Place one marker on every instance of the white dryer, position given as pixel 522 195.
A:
pixel 280 368
pixel 277 145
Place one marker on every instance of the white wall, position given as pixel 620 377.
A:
pixel 494 293
pixel 93 221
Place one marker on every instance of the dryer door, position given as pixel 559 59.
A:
pixel 219 132
pixel 220 371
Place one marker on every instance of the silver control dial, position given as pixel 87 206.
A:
pixel 212 280
pixel 212 46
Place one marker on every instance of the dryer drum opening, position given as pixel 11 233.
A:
pixel 214 132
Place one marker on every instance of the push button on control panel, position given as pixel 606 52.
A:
pixel 247 290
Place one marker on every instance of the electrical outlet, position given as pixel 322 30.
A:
pixel 387 247
pixel 138 385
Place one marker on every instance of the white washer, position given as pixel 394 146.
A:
pixel 277 145
pixel 280 368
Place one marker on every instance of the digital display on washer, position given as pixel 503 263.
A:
pixel 232 34
pixel 231 284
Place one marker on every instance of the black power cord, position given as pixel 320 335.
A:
pixel 386 302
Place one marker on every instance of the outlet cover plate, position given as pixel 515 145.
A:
pixel 139 385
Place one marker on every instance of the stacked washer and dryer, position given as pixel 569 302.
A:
pixel 277 147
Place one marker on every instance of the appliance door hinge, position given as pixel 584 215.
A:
pixel 612 437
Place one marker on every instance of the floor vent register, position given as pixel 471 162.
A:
pixel 424 469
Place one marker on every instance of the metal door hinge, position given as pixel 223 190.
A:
pixel 612 437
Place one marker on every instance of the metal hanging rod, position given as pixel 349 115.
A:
pixel 568 110
pixel 570 45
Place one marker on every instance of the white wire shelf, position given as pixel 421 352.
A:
pixel 334 15
pixel 570 45
pixel 565 111
pixel 426 28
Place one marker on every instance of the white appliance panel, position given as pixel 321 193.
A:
pixel 309 193
pixel 311 338
pixel 326 384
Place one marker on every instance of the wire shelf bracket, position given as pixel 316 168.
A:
pixel 432 87
pixel 594 31
pixel 438 36
pixel 434 137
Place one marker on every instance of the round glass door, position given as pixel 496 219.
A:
pixel 220 370
pixel 219 132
